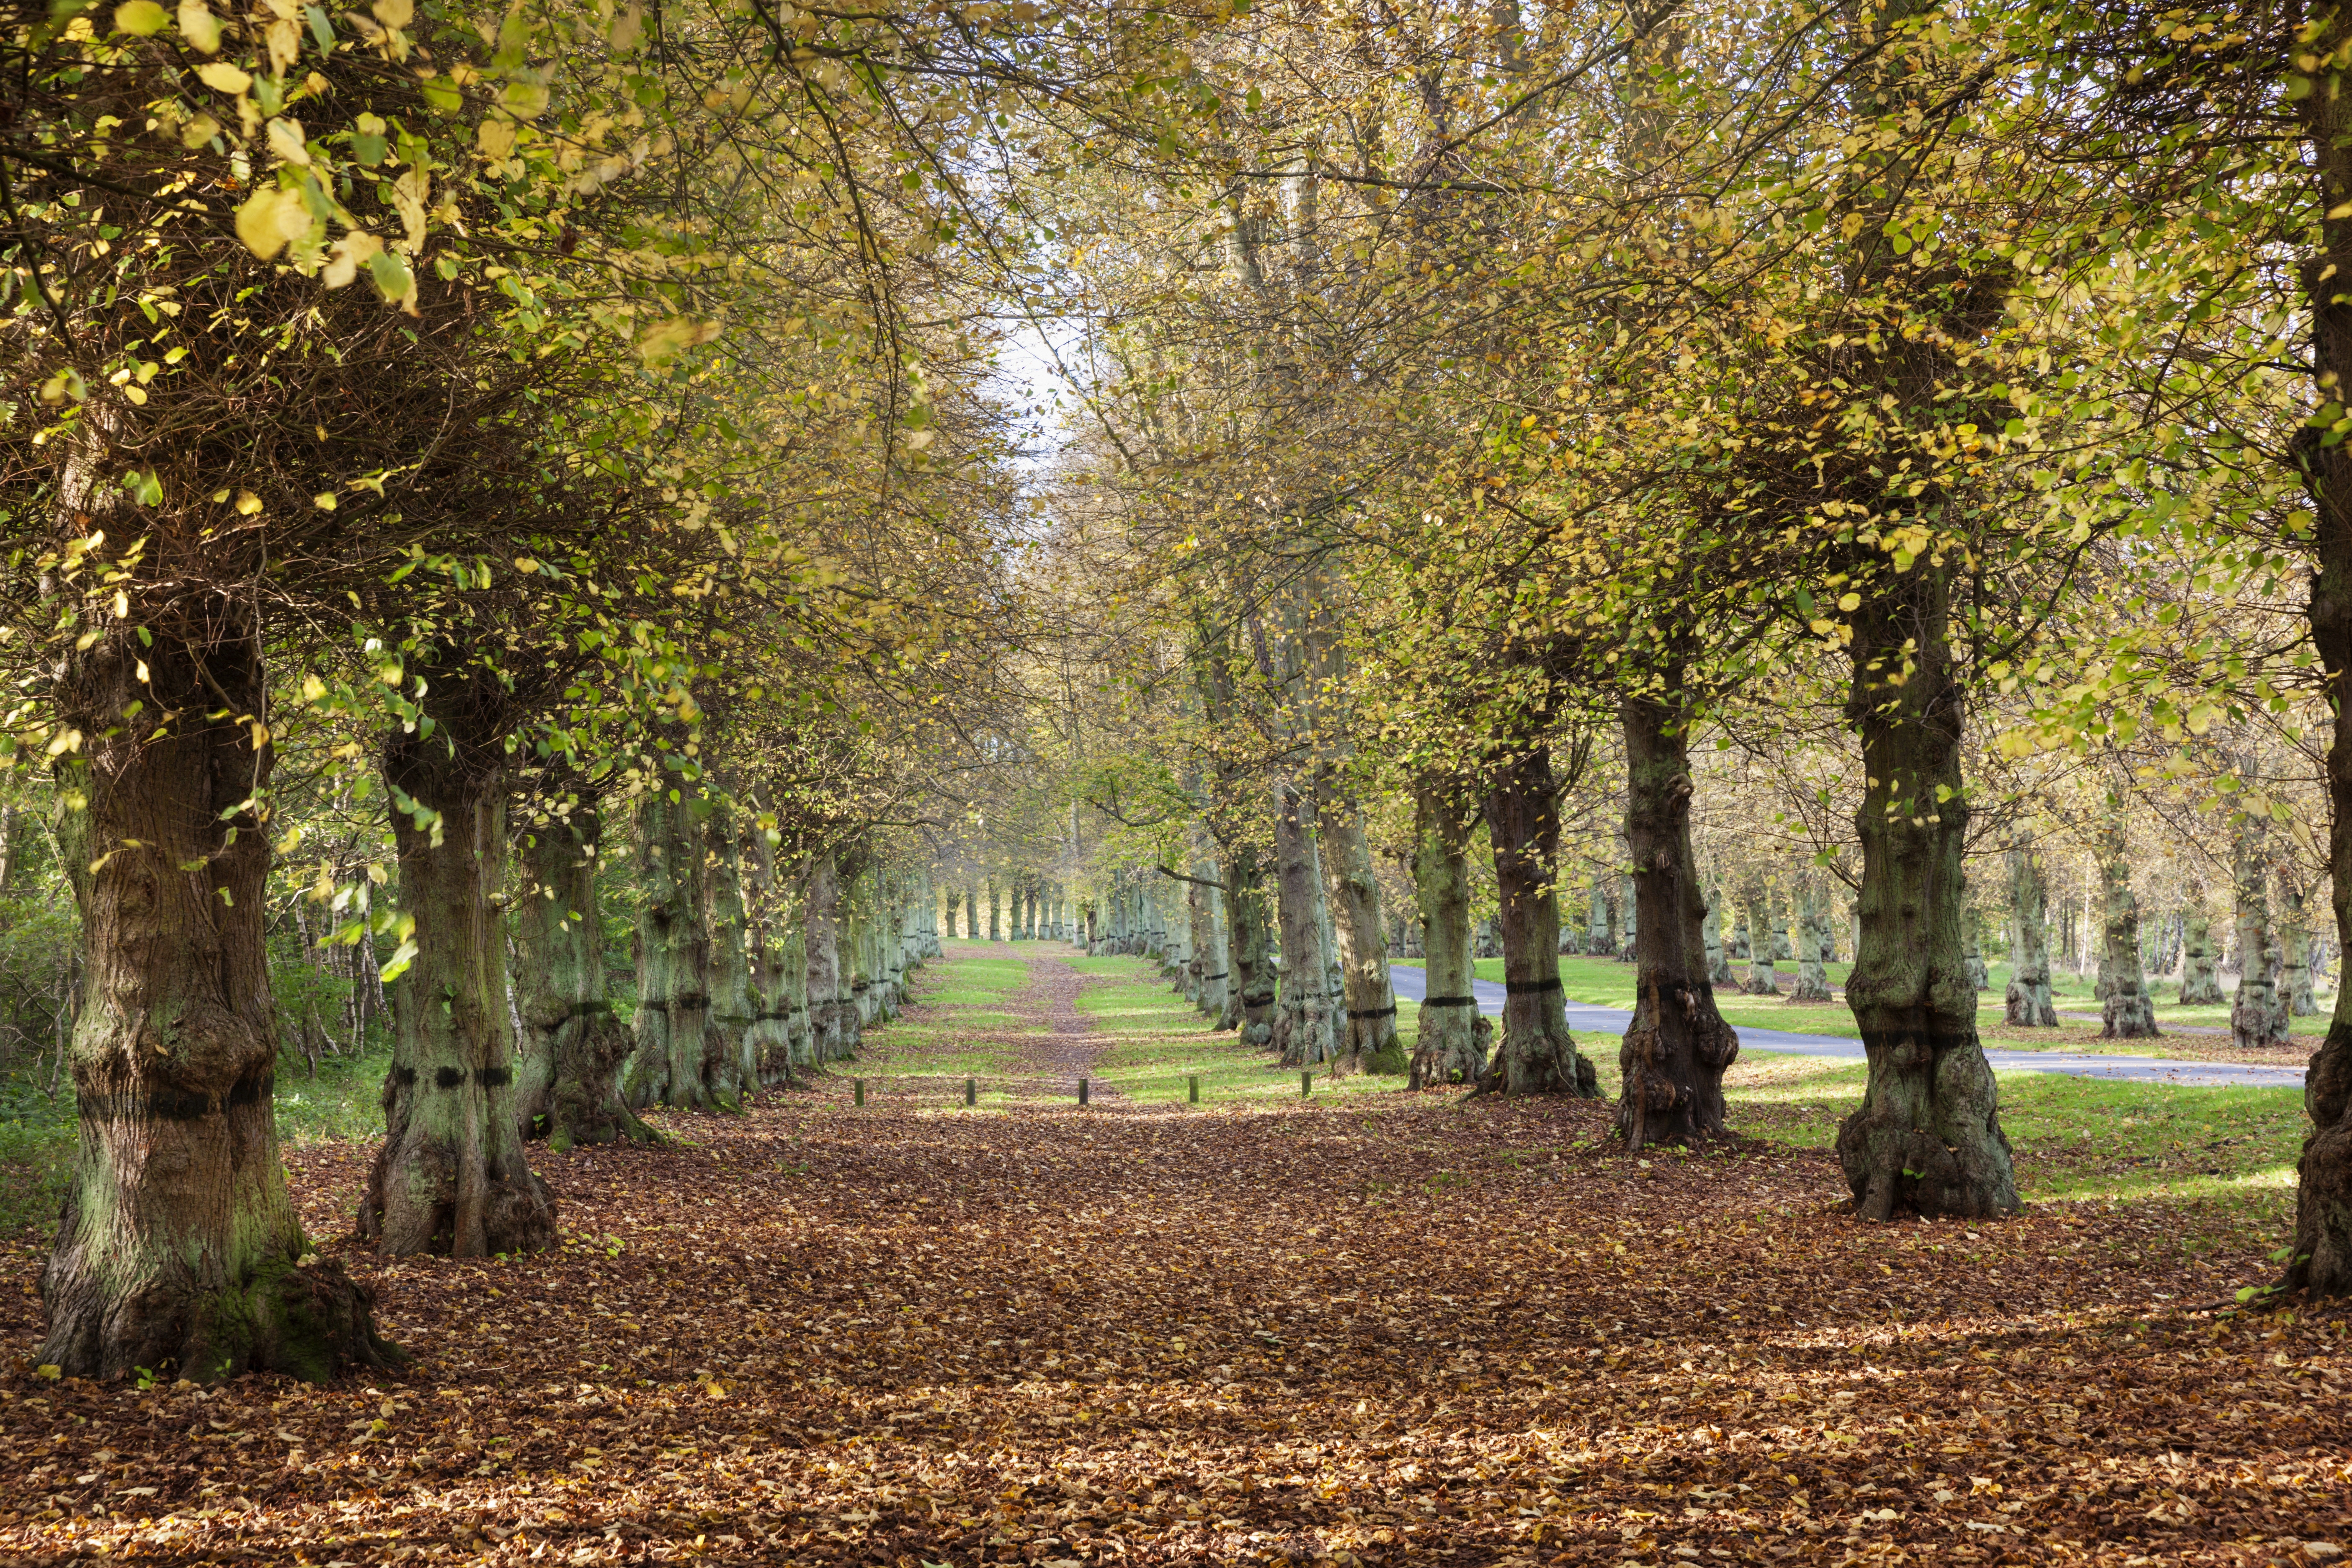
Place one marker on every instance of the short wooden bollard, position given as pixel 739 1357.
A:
pixel 1193 1088
pixel 858 1087
pixel 971 1091
pixel 1082 1091
pixel 1305 1085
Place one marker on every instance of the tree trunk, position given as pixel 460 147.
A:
pixel 1763 979
pixel 1250 977
pixel 2029 1000
pixel 1216 950
pixel 672 1062
pixel 995 911
pixel 1719 956
pixel 2295 951
pixel 2257 1014
pixel 770 1037
pixel 178 1248
pixel 570 1054
pixel 1677 1045
pixel 451 1176
pixel 1812 940
pixel 1309 1022
pixel 1451 1039
pixel 733 1071
pixel 832 1013
pixel 1928 1135
pixel 2128 1012
pixel 1973 955
pixel 1354 894
pixel 1537 1055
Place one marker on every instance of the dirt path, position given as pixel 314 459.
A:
pixel 1069 1053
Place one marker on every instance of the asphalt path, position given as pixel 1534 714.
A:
pixel 1411 985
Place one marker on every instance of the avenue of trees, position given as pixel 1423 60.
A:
pixel 531 556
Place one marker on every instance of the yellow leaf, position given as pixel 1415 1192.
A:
pixel 663 340
pixel 198 131
pixel 140 18
pixel 350 252
pixel 248 503
pixel 286 141
pixel 496 138
pixel 199 26
pixel 394 12
pixel 325 501
pixel 269 219
pixel 51 1372
pixel 222 77
pixel 1849 602
pixel 121 605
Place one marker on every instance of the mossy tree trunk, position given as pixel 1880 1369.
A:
pixel 1763 978
pixel 769 917
pixel 730 1054
pixel 1537 1055
pixel 2294 949
pixel 832 1013
pixel 573 1045
pixel 2257 1015
pixel 1307 1029
pixel 2200 985
pixel 1718 952
pixel 672 1063
pixel 1250 982
pixel 178 1248
pixel 1928 1135
pixel 451 1176
pixel 1812 941
pixel 1677 1045
pixel 2128 1012
pixel 2030 1004
pixel 1353 893
pixel 1453 1036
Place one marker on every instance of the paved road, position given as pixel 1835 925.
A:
pixel 1411 985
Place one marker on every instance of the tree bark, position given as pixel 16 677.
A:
pixel 1310 1018
pixel 672 1062
pixel 1354 894
pixel 451 1176
pixel 2257 1013
pixel 1453 1036
pixel 573 1045
pixel 733 1071
pixel 2030 1005
pixel 1677 1045
pixel 1250 976
pixel 1537 1055
pixel 770 1037
pixel 832 1013
pixel 2128 1012
pixel 2295 949
pixel 1928 1135
pixel 178 1248
pixel 2200 985
pixel 1763 978
pixel 1719 956
pixel 1812 941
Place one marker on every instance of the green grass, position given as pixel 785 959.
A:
pixel 934 1040
pixel 1160 1039
pixel 2227 1153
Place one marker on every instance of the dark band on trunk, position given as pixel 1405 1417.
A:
pixel 1449 1001
pixel 588 1009
pixel 1264 1001
pixel 172 1106
pixel 1219 974
pixel 1530 987
pixel 1388 1012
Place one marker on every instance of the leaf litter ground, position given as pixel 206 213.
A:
pixel 1371 1328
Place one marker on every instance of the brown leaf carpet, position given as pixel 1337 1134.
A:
pixel 1399 1331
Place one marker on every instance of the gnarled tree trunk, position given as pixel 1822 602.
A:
pixel 2127 1013
pixel 1354 894
pixel 673 1060
pixel 2200 985
pixel 1812 944
pixel 833 1012
pixel 178 1246
pixel 573 1045
pixel 1307 1022
pixel 1677 1045
pixel 1763 978
pixel 2030 1005
pixel 1928 1135
pixel 1453 1036
pixel 451 1176
pixel 1537 1055
pixel 2257 1015
pixel 1250 981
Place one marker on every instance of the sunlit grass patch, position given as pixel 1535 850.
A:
pixel 1161 1040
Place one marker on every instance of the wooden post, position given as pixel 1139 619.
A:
pixel 1305 1085
pixel 857 1087
pixel 1082 1091
pixel 971 1091
pixel 1193 1088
